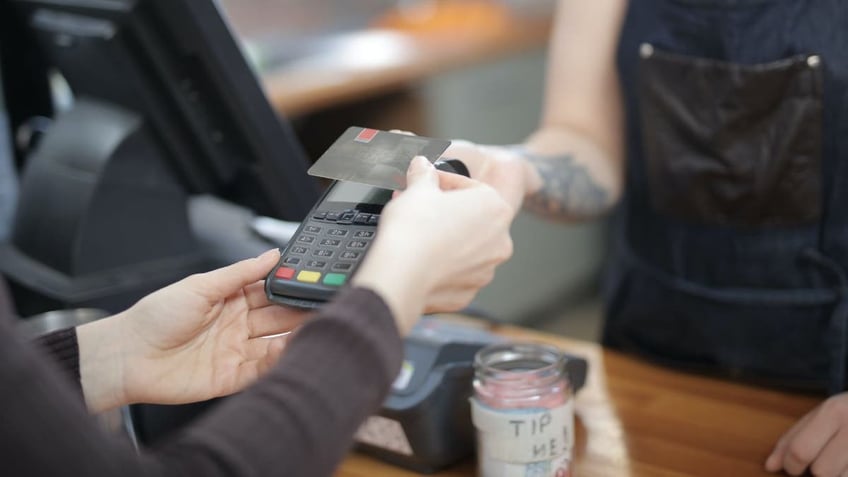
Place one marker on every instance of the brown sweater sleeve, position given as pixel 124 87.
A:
pixel 62 346
pixel 297 421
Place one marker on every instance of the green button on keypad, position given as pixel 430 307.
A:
pixel 335 279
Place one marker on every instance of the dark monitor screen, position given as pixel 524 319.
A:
pixel 176 63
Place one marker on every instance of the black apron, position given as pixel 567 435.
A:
pixel 731 243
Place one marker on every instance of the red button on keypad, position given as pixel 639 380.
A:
pixel 285 273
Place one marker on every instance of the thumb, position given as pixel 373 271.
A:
pixel 225 281
pixel 421 173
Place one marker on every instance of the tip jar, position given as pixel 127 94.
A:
pixel 523 410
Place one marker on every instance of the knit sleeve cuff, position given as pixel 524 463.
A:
pixel 63 348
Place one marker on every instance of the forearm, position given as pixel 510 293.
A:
pixel 300 418
pixel 577 153
pixel 570 177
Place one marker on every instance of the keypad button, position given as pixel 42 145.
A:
pixel 335 279
pixel 359 244
pixel 308 277
pixel 374 220
pixel 331 242
pixel 291 261
pixel 337 232
pixel 347 217
pixel 316 264
pixel 342 267
pixel 284 273
pixel 299 250
pixel 348 255
pixel 305 239
pixel 320 215
pixel 323 253
pixel 333 216
pixel 364 234
pixel 312 229
pixel 362 219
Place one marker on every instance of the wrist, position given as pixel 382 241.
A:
pixel 530 177
pixel 399 285
pixel 102 361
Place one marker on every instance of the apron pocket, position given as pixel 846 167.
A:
pixel 732 144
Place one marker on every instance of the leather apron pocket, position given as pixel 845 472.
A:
pixel 732 144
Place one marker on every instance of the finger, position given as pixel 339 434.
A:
pixel 809 441
pixel 259 348
pixel 774 462
pixel 451 181
pixel 400 131
pixel 421 174
pixel 273 320
pixel 251 370
pixel 225 281
pixel 256 348
pixel 255 295
pixel 833 459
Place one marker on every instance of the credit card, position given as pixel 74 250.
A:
pixel 373 157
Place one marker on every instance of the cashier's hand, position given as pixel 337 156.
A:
pixel 818 442
pixel 197 339
pixel 502 169
pixel 439 242
pixel 498 167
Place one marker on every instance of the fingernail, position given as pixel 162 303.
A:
pixel 420 161
pixel 772 464
pixel 275 251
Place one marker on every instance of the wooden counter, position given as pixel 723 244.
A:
pixel 370 62
pixel 635 419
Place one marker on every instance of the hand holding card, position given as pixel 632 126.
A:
pixel 332 241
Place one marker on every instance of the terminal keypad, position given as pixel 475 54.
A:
pixel 328 248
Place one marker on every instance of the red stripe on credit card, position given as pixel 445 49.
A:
pixel 366 135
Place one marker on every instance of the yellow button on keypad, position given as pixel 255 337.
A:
pixel 308 277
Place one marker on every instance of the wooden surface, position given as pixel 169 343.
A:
pixel 371 62
pixel 635 419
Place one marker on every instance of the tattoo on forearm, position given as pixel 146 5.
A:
pixel 568 190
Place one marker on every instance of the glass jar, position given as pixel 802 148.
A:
pixel 523 411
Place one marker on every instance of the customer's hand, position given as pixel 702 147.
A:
pixel 503 169
pixel 438 243
pixel 818 442
pixel 194 340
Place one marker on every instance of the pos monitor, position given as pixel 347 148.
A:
pixel 165 106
